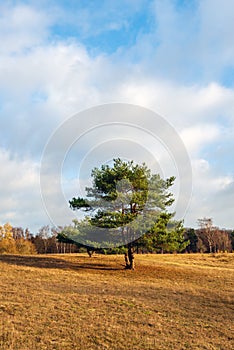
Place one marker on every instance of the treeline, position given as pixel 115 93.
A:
pixel 16 240
pixel 198 241
pixel 176 239
pixel 209 238
pixel 206 239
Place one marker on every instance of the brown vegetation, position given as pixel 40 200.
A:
pixel 74 302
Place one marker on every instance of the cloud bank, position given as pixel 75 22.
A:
pixel 57 60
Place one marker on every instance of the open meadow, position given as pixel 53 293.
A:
pixel 63 302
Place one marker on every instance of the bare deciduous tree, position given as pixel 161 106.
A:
pixel 214 238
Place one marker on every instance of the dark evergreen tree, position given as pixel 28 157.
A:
pixel 124 203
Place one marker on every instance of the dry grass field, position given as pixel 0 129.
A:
pixel 73 302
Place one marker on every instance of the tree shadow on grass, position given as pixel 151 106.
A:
pixel 55 263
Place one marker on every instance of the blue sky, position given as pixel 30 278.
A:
pixel 58 58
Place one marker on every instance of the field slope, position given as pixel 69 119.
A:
pixel 74 302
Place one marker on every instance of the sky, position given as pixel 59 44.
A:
pixel 59 58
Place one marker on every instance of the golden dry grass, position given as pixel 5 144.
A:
pixel 74 302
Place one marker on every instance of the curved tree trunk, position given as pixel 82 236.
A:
pixel 129 259
pixel 90 252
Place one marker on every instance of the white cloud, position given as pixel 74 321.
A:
pixel 217 30
pixel 22 27
pixel 198 136
pixel 212 195
pixel 20 193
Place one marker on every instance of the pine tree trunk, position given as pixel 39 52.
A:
pixel 90 252
pixel 129 259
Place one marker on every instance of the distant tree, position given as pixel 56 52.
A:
pixel 28 235
pixel 7 242
pixel 192 237
pixel 17 233
pixel 212 237
pixel 222 240
pixel 201 247
pixel 44 234
pixel 54 232
pixel 207 233
pixel 126 199
pixel 13 241
pixel 39 244
pixel 44 240
pixel 232 239
pixel 6 231
pixel 25 247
